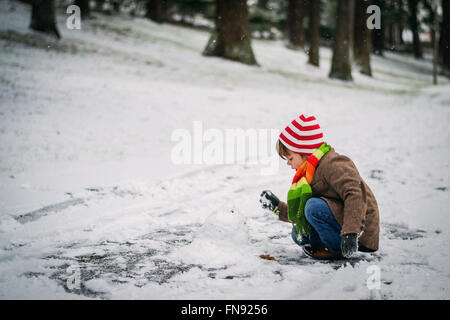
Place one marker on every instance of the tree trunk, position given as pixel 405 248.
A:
pixel 389 25
pixel 445 37
pixel 363 41
pixel 351 28
pixel 155 10
pixel 390 35
pixel 414 26
pixel 231 39
pixel 99 5
pixel 398 21
pixel 295 23
pixel 400 35
pixel 314 24
pixel 340 66
pixel 263 4
pixel 435 40
pixel 116 5
pixel 359 29
pixel 43 17
pixel 378 34
pixel 397 36
pixel 84 8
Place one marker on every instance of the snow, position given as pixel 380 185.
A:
pixel 213 245
pixel 87 180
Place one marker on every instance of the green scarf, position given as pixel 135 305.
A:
pixel 301 191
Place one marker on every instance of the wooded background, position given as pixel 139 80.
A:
pixel 408 26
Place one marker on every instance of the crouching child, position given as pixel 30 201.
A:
pixel 333 211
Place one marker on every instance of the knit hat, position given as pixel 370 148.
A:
pixel 303 135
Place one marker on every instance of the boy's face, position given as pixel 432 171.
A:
pixel 295 160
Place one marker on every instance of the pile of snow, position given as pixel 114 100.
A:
pixel 222 240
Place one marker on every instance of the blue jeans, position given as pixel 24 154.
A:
pixel 325 229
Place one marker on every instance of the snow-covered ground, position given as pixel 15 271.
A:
pixel 89 190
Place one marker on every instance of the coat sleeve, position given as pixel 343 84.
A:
pixel 282 212
pixel 343 177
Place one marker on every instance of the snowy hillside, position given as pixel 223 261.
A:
pixel 88 185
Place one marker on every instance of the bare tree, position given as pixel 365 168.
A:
pixel 351 27
pixel 231 38
pixel 340 65
pixel 314 24
pixel 378 34
pixel 414 26
pixel 399 23
pixel 43 17
pixel 155 10
pixel 445 37
pixel 363 42
pixel 295 29
pixel 263 4
pixel 84 7
pixel 435 40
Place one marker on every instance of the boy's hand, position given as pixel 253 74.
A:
pixel 349 244
pixel 269 201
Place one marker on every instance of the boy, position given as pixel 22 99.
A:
pixel 333 211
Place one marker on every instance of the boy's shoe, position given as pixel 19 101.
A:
pixel 322 253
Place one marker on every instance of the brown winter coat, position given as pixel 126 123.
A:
pixel 337 181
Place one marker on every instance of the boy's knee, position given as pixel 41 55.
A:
pixel 312 208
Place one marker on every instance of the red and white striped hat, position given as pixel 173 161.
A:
pixel 303 135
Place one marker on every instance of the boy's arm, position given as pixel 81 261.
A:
pixel 343 177
pixel 282 211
